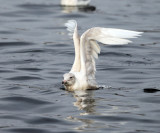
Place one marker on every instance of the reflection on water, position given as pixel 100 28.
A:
pixel 85 104
pixel 91 114
pixel 70 9
pixel 35 52
pixel 84 101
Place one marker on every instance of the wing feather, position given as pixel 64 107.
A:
pixel 120 33
pixel 73 31
pixel 71 26
pixel 89 49
pixel 112 40
pixel 94 54
pixel 95 46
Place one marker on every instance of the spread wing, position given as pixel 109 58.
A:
pixel 89 49
pixel 73 31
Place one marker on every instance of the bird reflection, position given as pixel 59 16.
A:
pixel 70 9
pixel 84 101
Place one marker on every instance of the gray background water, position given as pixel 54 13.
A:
pixel 35 51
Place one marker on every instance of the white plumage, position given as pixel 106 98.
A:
pixel 82 74
pixel 75 2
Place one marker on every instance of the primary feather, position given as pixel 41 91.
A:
pixel 87 50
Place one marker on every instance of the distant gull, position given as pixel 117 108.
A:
pixel 82 73
pixel 75 2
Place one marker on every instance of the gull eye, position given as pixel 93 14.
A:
pixel 71 77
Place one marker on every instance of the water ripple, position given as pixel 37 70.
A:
pixel 24 100
pixel 28 130
pixel 8 44
pixel 35 52
pixel 24 78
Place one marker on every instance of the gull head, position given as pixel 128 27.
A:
pixel 69 79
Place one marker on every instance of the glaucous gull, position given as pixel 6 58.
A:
pixel 82 73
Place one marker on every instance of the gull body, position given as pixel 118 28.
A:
pixel 75 2
pixel 82 73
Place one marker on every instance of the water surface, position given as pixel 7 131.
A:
pixel 35 51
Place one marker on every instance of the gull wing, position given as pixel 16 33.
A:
pixel 89 48
pixel 72 28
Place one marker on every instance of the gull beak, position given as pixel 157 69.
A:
pixel 64 82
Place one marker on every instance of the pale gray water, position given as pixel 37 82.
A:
pixel 35 51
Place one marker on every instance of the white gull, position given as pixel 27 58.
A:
pixel 75 2
pixel 82 73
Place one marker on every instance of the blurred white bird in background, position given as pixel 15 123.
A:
pixel 82 73
pixel 75 2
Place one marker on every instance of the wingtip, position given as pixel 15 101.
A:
pixel 71 25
